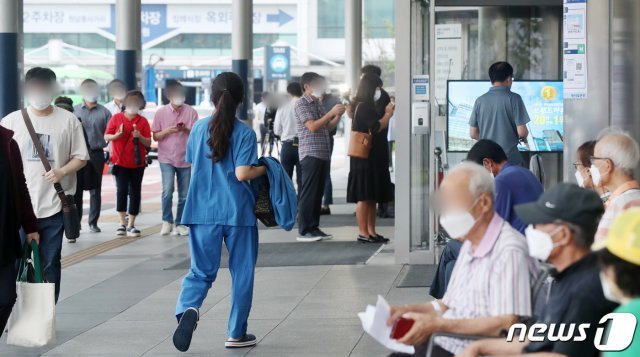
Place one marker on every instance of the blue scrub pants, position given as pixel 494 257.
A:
pixel 206 246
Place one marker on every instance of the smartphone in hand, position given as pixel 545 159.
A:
pixel 400 328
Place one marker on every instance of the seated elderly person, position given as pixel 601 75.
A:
pixel 615 157
pixel 514 185
pixel 564 223
pixel 490 286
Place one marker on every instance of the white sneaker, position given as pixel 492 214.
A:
pixel 182 230
pixel 166 228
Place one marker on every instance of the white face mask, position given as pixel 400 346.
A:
pixel 596 176
pixel 90 97
pixel 40 101
pixel 177 101
pixel 317 93
pixel 458 223
pixel 132 111
pixel 119 95
pixel 606 289
pixel 539 242
pixel 377 95
pixel 579 179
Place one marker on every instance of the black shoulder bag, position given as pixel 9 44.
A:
pixel 69 209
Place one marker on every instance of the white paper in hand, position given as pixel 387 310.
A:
pixel 374 322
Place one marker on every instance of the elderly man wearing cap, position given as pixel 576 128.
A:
pixel 615 157
pixel 563 222
pixel 620 276
pixel 490 287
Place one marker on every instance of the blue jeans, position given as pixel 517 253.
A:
pixel 205 242
pixel 445 268
pixel 169 174
pixel 51 230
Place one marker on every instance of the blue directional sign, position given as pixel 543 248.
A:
pixel 280 17
pixel 153 22
pixel 278 62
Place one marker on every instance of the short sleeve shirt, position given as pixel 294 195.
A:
pixel 94 120
pixel 122 149
pixel 62 139
pixel 172 148
pixel 315 144
pixel 497 114
pixel 491 279
pixel 623 198
pixel 215 195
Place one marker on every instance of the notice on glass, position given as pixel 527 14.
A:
pixel 448 58
pixel 574 49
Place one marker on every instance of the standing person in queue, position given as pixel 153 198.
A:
pixel 284 126
pixel 328 101
pixel 117 90
pixel 369 179
pixel 15 212
pixel 381 100
pixel 94 118
pixel 130 134
pixel 223 153
pixel 500 115
pixel 171 127
pixel 60 135
pixel 314 127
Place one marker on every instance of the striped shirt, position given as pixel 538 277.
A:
pixel 491 279
pixel 622 198
pixel 315 144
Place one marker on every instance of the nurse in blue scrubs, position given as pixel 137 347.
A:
pixel 223 155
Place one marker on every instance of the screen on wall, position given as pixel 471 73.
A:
pixel 544 103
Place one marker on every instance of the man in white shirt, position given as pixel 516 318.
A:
pixel 117 90
pixel 62 139
pixel 258 119
pixel 284 126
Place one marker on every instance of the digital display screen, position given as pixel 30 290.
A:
pixel 542 99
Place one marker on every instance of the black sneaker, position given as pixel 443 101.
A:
pixel 324 235
pixel 94 228
pixel 248 340
pixel 325 211
pixel 379 239
pixel 133 232
pixel 363 239
pixel 121 231
pixel 184 331
pixel 309 237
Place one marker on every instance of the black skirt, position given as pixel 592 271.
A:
pixel 369 180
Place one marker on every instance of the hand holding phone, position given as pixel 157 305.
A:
pixel 401 327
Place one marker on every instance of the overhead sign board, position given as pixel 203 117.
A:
pixel 278 62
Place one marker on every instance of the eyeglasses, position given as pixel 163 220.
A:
pixel 594 158
pixel 576 165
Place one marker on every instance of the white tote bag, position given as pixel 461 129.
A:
pixel 33 319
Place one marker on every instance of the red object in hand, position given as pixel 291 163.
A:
pixel 401 327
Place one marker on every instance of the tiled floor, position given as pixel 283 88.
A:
pixel 121 302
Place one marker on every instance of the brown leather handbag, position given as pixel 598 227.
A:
pixel 360 143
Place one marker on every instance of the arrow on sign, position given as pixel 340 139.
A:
pixel 281 17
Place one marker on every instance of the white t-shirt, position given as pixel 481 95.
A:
pixel 62 139
pixel 113 107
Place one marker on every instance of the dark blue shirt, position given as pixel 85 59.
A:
pixel 515 185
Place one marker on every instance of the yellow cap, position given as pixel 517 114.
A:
pixel 623 239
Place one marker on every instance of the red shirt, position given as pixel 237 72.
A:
pixel 122 153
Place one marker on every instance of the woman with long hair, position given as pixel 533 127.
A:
pixel 369 179
pixel 223 154
pixel 16 212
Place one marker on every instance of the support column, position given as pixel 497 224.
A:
pixel 128 42
pixel 242 51
pixel 353 43
pixel 10 61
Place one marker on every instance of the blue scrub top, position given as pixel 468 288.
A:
pixel 215 194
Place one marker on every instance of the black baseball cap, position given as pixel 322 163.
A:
pixel 565 202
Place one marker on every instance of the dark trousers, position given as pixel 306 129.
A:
pixel 328 185
pixel 289 159
pixel 51 230
pixel 7 293
pixel 128 186
pixel 421 351
pixel 445 267
pixel 313 177
pixel 95 195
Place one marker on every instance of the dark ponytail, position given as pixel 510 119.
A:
pixel 227 92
